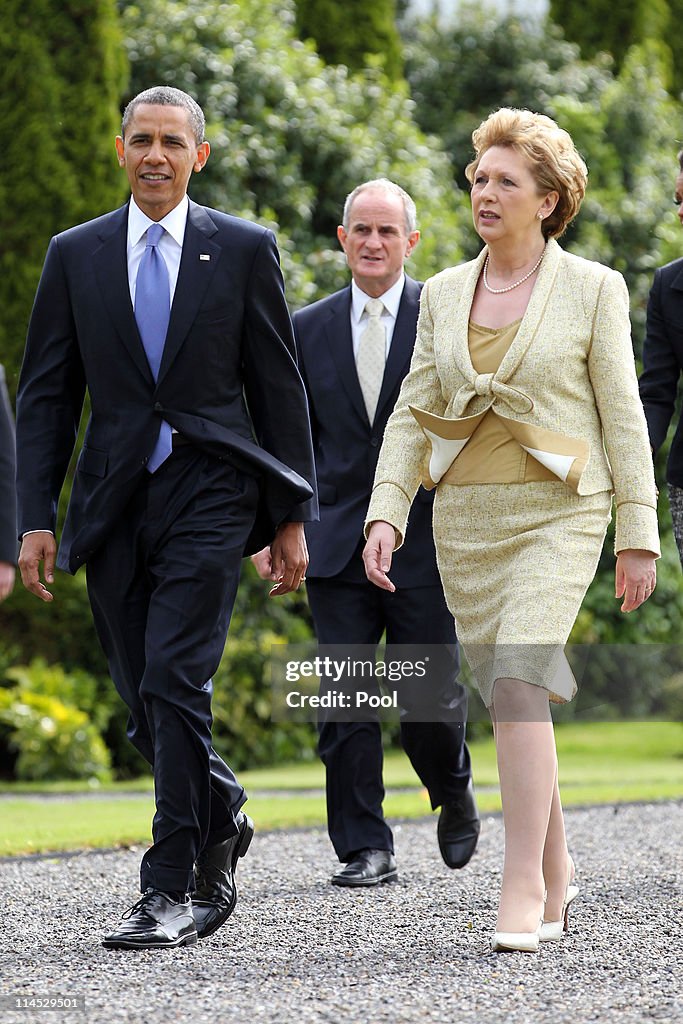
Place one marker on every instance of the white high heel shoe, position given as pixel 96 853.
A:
pixel 522 942
pixel 551 931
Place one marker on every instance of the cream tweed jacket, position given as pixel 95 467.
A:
pixel 567 389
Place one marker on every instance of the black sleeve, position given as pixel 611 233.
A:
pixel 661 369
pixel 274 390
pixel 8 502
pixel 49 399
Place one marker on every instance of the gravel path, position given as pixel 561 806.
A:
pixel 298 951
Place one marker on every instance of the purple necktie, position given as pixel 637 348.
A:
pixel 152 313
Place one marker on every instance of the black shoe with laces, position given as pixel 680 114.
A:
pixel 156 921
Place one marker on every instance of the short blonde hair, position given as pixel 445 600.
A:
pixel 553 158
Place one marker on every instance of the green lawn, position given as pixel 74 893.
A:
pixel 599 763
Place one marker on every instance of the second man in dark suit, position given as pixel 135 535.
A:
pixel 354 350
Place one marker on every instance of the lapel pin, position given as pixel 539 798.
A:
pixel 204 256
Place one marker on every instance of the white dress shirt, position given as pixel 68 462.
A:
pixel 170 244
pixel 391 300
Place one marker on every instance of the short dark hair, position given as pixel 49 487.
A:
pixel 167 96
pixel 679 157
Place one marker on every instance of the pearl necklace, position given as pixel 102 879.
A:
pixel 500 291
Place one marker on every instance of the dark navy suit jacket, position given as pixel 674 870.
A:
pixel 228 379
pixel 8 503
pixel 346 445
pixel 663 363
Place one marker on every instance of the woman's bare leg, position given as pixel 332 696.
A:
pixel 527 769
pixel 558 868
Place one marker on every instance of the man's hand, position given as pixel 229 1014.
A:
pixel 377 554
pixel 36 548
pixel 289 558
pixel 635 577
pixel 6 579
pixel 263 563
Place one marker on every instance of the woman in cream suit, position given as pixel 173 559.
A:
pixel 521 407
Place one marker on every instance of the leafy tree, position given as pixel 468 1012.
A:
pixel 86 49
pixel 628 220
pixel 604 26
pixel 351 32
pixel 601 26
pixel 621 125
pixel 460 73
pixel 62 85
pixel 38 184
pixel 290 135
pixel 674 39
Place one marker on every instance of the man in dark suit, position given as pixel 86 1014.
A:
pixel 663 366
pixel 198 447
pixel 351 395
pixel 8 518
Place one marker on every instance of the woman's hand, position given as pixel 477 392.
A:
pixel 635 577
pixel 377 554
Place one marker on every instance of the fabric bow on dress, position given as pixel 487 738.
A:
pixel 484 384
pixel 565 457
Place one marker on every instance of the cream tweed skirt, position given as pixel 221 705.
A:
pixel 516 561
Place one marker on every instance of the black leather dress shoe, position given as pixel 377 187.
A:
pixel 215 895
pixel 156 921
pixel 368 867
pixel 458 829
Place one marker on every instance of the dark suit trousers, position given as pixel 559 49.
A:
pixel 162 588
pixel 347 612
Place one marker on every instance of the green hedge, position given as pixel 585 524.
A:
pixel 50 722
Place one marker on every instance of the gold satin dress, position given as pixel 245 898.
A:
pixel 516 548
